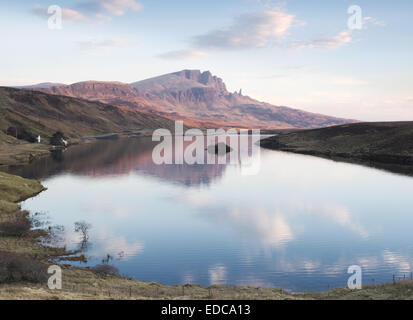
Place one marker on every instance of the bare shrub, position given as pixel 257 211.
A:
pixel 83 228
pixel 107 259
pixel 18 268
pixel 17 227
pixel 105 270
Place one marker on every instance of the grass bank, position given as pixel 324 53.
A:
pixel 17 152
pixel 384 145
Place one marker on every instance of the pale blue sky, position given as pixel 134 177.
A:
pixel 298 53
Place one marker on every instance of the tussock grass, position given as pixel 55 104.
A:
pixel 16 267
pixel 385 145
pixel 7 207
pixel 84 284
pixel 401 290
pixel 16 189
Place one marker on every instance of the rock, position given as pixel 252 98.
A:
pixel 219 149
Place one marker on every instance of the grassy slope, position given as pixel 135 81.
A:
pixel 83 284
pixel 388 145
pixel 14 152
pixel 16 189
pixel 44 114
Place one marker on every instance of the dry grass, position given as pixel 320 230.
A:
pixel 7 207
pixel 402 290
pixel 17 152
pixel 84 284
pixel 22 153
pixel 16 189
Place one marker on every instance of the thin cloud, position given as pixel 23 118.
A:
pixel 326 42
pixel 296 69
pixel 119 7
pixel 69 15
pixel 300 67
pixel 101 18
pixel 373 21
pixel 248 31
pixel 348 81
pixel 104 44
pixel 277 76
pixel 114 7
pixel 338 40
pixel 72 15
pixel 93 11
pixel 183 54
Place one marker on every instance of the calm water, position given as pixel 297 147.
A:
pixel 298 224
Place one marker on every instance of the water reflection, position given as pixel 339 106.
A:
pixel 120 157
pixel 298 223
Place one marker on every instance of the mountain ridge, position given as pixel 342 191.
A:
pixel 198 98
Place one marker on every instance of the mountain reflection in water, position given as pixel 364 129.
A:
pixel 116 158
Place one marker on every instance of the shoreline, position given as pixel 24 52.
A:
pixel 22 153
pixel 384 146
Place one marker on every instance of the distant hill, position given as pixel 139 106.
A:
pixel 40 85
pixel 386 145
pixel 199 98
pixel 44 114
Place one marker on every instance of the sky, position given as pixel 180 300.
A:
pixel 307 54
